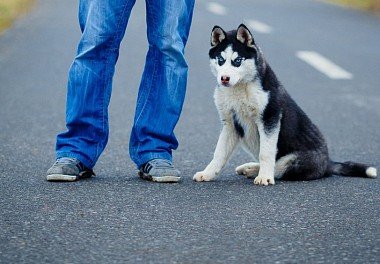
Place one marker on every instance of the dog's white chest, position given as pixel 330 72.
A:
pixel 247 101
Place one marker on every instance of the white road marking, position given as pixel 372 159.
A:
pixel 324 65
pixel 259 27
pixel 216 8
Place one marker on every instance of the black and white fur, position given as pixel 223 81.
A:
pixel 257 112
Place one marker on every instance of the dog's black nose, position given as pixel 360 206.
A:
pixel 225 79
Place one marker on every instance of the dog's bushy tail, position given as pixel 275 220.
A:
pixel 350 168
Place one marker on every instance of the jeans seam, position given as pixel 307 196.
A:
pixel 154 21
pixel 150 31
pixel 154 74
pixel 108 77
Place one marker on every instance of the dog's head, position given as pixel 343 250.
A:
pixel 234 56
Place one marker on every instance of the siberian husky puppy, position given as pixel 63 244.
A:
pixel 257 112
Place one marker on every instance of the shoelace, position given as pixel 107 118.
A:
pixel 157 163
pixel 72 161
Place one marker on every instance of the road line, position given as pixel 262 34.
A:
pixel 216 8
pixel 259 27
pixel 324 65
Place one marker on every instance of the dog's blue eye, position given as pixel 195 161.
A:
pixel 221 60
pixel 237 61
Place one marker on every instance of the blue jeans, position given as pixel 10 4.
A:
pixel 162 89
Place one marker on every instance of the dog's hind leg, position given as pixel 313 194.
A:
pixel 284 164
pixel 297 166
pixel 303 166
pixel 249 170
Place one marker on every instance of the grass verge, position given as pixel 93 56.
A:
pixel 370 5
pixel 11 9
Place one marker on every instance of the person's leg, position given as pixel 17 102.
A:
pixel 163 85
pixel 103 25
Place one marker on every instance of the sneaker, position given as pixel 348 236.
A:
pixel 68 169
pixel 159 170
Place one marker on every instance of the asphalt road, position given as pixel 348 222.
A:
pixel 118 218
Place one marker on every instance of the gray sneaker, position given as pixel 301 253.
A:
pixel 159 170
pixel 68 169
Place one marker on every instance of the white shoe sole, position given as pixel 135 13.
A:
pixel 162 179
pixel 166 179
pixel 61 177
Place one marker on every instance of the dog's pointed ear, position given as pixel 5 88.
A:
pixel 217 35
pixel 244 36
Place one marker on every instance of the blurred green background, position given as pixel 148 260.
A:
pixel 11 9
pixel 371 5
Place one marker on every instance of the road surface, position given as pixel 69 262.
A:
pixel 118 218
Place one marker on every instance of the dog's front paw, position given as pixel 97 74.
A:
pixel 203 176
pixel 264 180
